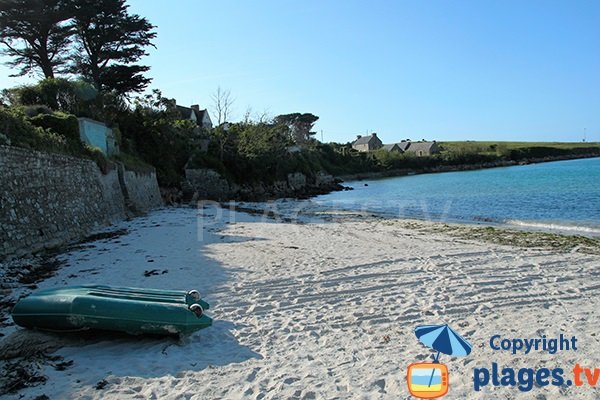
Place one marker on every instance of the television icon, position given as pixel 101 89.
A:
pixel 427 380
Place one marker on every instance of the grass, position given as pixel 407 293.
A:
pixel 132 163
pixel 455 145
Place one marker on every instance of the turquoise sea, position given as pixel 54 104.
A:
pixel 561 195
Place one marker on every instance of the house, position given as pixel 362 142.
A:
pixel 367 143
pixel 392 148
pixel 97 134
pixel 404 145
pixel 202 120
pixel 423 148
pixel 194 113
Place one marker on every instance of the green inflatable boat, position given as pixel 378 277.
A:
pixel 132 310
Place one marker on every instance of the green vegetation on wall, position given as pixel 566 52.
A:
pixel 17 130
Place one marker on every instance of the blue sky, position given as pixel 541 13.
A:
pixel 445 70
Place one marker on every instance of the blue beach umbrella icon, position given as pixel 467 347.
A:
pixel 443 339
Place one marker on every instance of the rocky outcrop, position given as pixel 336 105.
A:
pixel 296 181
pixel 207 184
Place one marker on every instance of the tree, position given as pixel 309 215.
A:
pixel 222 102
pixel 265 141
pixel 58 94
pixel 35 33
pixel 155 132
pixel 299 125
pixel 109 43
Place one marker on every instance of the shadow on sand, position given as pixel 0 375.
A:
pixel 90 357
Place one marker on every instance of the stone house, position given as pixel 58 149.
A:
pixel 392 148
pixel 404 145
pixel 423 148
pixel 367 143
pixel 97 134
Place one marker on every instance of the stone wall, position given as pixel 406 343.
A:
pixel 47 200
pixel 140 189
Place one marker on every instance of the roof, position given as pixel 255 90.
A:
pixel 92 121
pixel 200 115
pixel 390 147
pixel 420 146
pixel 186 113
pixel 404 145
pixel 364 139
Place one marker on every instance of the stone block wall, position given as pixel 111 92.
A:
pixel 47 200
pixel 140 189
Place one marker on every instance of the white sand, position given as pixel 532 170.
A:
pixel 325 310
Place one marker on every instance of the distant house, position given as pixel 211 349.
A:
pixel 202 120
pixel 97 134
pixel 422 148
pixel 392 148
pixel 367 143
pixel 404 145
pixel 194 113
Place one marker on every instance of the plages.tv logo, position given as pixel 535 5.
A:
pixel 429 380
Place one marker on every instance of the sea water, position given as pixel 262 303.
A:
pixel 561 195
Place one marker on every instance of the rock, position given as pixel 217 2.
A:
pixel 296 181
pixel 208 184
pixel 323 179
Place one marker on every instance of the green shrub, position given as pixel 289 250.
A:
pixel 75 97
pixel 18 131
pixel 36 109
pixel 205 160
pixel 64 124
pixel 132 162
pixel 96 155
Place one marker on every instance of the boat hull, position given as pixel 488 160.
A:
pixel 130 310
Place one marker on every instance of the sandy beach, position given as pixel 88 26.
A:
pixel 318 310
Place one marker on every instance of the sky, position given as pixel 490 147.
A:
pixel 444 70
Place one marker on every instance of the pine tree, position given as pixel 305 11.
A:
pixel 35 34
pixel 110 42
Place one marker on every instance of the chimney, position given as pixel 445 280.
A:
pixel 195 107
pixel 374 134
pixel 358 136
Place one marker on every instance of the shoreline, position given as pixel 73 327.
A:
pixel 304 214
pixel 265 209
pixel 499 233
pixel 457 168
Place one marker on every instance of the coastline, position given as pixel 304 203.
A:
pixel 456 168
pixel 294 302
pixel 498 233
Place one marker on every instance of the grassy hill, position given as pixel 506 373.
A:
pixel 491 146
